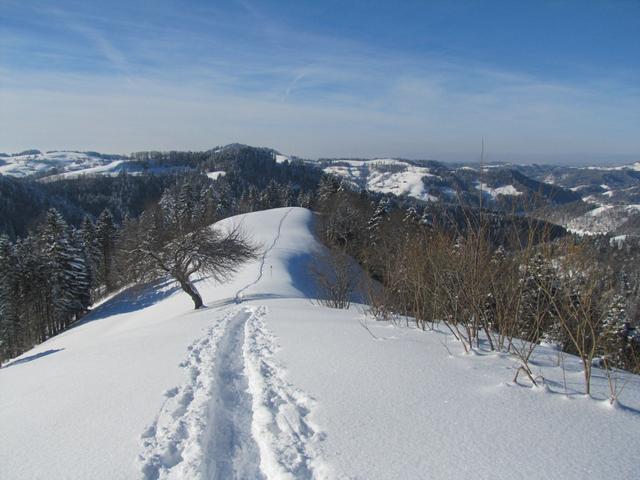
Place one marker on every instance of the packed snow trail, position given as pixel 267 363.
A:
pixel 232 452
pixel 289 441
pixel 173 444
pixel 240 293
pixel 235 417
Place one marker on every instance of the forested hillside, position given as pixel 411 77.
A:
pixel 82 239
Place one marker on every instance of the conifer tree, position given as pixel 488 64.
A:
pixel 106 240
pixel 374 224
pixel 9 327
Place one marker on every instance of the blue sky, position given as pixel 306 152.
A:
pixel 539 80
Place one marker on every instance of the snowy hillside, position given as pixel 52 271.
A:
pixel 430 180
pixel 63 163
pixel 504 186
pixel 264 383
pixel 384 175
pixel 604 219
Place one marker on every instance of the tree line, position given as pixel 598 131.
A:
pixel 508 280
pixel 50 276
pixel 511 282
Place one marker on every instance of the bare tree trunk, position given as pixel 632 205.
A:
pixel 587 376
pixel 188 287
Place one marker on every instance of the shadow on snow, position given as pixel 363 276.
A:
pixel 33 357
pixel 132 299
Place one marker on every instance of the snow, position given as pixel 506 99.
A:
pixel 634 166
pixel 216 175
pixel 68 162
pixel 265 383
pixel 281 158
pixel 385 175
pixel 603 219
pixel 618 240
pixel 598 211
pixel 112 168
pixel 494 192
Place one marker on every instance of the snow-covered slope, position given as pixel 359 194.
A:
pixel 278 387
pixel 62 163
pixel 604 219
pixel 385 175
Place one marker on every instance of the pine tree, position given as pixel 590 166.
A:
pixel 536 319
pixel 374 225
pixel 185 207
pixel 68 283
pixel 287 196
pixel 9 322
pixel 106 240
pixel 253 199
pixel 411 217
pixel 613 336
pixel 304 200
pixel 327 187
pixel 86 238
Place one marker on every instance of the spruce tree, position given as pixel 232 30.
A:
pixel 106 240
pixel 374 225
pixel 9 327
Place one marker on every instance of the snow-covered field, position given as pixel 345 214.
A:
pixel 494 192
pixel 265 383
pixel 216 175
pixel 602 219
pixel 66 164
pixel 385 175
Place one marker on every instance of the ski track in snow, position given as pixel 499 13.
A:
pixel 235 417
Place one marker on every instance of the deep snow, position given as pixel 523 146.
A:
pixel 265 383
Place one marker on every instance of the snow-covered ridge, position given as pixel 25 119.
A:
pixel 603 219
pixel 414 179
pixel 634 166
pixel 278 387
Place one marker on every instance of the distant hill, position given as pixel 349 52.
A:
pixel 591 199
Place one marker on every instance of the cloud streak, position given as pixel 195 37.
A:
pixel 242 75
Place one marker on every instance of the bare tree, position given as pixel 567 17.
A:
pixel 579 307
pixel 167 248
pixel 336 274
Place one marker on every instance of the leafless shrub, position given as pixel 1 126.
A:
pixel 579 305
pixel 336 276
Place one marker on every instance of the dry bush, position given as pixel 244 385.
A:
pixel 580 305
pixel 336 275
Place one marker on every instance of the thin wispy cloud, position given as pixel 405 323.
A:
pixel 199 76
